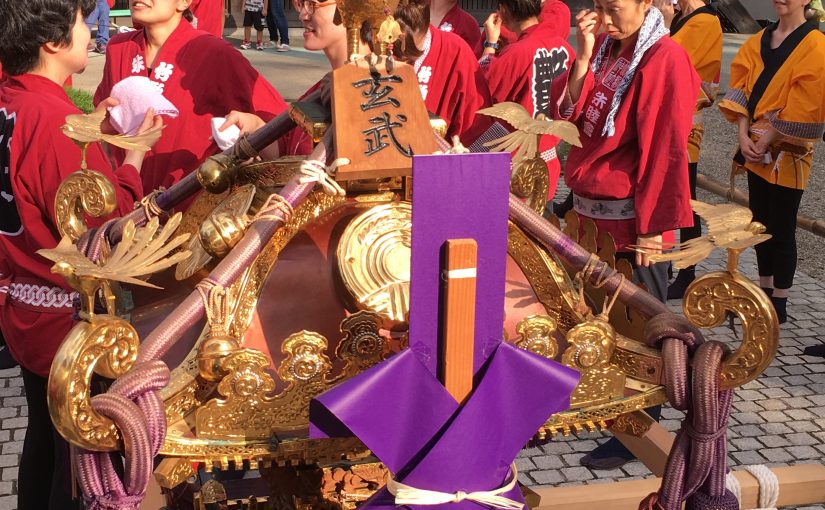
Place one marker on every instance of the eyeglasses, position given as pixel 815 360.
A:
pixel 310 5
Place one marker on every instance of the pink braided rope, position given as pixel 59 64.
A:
pixel 133 401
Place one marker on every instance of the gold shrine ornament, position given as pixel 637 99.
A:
pixel 374 259
pixel 356 12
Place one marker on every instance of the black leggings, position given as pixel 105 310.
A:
pixel 696 230
pixel 775 207
pixel 44 475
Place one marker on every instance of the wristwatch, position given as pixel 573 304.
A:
pixel 494 45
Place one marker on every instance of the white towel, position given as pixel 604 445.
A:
pixel 226 138
pixel 136 94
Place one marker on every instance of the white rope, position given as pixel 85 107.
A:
pixel 407 495
pixel 768 486
pixel 315 171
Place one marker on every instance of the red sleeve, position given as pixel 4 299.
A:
pixel 564 108
pixel 506 37
pixel 500 76
pixel 468 93
pixel 240 86
pixel 472 34
pixel 57 158
pixel 662 187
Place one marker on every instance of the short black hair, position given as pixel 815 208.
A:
pixel 26 26
pixel 522 9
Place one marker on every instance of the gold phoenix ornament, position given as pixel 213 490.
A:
pixel 530 178
pixel 141 252
pixel 730 227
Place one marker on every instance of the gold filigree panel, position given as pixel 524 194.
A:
pixel 546 276
pixel 707 303
pixel 105 340
pixel 85 191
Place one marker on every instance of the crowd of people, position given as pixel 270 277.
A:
pixel 635 85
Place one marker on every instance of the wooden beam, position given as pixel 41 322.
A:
pixel 651 443
pixel 799 485
pixel 458 319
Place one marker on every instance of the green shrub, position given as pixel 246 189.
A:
pixel 81 99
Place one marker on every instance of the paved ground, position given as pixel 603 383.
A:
pixel 777 420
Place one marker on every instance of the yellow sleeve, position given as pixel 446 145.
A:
pixel 746 63
pixel 701 37
pixel 803 116
pixel 697 37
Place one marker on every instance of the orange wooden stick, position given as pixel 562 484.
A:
pixel 458 318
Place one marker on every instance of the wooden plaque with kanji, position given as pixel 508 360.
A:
pixel 379 120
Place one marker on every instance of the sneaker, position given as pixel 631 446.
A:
pixel 245 45
pixel 259 46
pixel 270 44
pixel 283 47
pixel 100 48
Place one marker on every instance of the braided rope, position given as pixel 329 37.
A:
pixel 276 208
pixel 696 468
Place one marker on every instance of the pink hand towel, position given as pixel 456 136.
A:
pixel 136 95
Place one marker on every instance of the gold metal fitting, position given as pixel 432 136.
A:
pixel 217 173
pixel 211 354
pixel 220 233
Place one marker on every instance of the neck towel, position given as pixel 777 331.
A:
pixel 652 30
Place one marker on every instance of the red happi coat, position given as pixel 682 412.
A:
pixel 453 86
pixel 464 25
pixel 204 77
pixel 523 73
pixel 555 16
pixel 209 15
pixel 35 305
pixel 646 158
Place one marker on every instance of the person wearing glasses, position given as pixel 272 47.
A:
pixel 202 75
pixel 324 30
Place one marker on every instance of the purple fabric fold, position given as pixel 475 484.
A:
pixel 403 414
pixel 395 408
pixel 461 197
